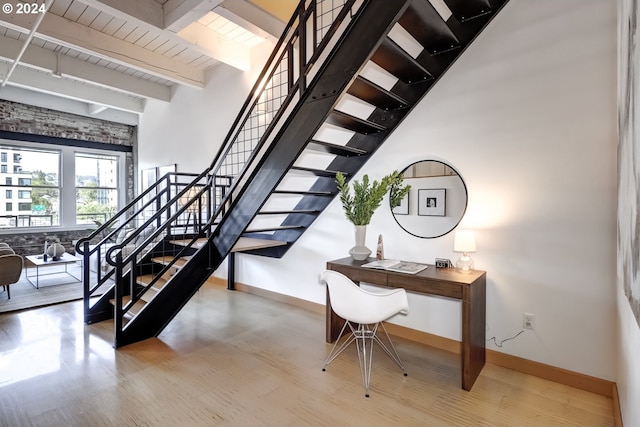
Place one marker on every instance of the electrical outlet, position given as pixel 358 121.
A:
pixel 528 320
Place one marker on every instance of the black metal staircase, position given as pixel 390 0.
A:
pixel 275 173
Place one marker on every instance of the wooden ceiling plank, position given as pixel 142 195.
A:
pixel 100 21
pixel 147 11
pixel 88 16
pixel 62 31
pixel 74 11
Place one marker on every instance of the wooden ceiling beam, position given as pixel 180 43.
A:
pixel 211 44
pixel 38 81
pixel 47 60
pixel 178 14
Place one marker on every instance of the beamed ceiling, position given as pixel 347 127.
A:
pixel 113 55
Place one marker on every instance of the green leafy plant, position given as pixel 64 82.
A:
pixel 367 196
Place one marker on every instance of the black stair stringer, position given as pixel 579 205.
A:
pixel 158 312
pixel 365 33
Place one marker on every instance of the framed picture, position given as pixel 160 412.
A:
pixel 432 202
pixel 147 178
pixel 403 208
pixel 163 170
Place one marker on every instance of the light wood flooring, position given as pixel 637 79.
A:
pixel 235 359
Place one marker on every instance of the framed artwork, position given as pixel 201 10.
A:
pixel 163 170
pixel 403 208
pixel 432 202
pixel 147 178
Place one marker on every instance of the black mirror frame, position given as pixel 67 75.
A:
pixel 466 202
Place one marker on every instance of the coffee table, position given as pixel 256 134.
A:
pixel 38 262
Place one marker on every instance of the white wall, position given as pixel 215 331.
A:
pixel 190 129
pixel 628 331
pixel 527 116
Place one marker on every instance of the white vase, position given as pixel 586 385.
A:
pixel 360 252
pixel 56 250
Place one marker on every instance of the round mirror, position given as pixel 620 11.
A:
pixel 436 202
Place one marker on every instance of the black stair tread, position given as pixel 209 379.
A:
pixel 376 95
pixel 252 243
pixel 276 228
pixel 398 62
pixel 316 172
pixel 304 193
pixel 356 124
pixel 425 24
pixel 465 10
pixel 339 150
pixel 292 211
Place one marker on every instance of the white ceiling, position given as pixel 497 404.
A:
pixel 116 54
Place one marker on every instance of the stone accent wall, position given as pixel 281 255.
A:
pixel 33 243
pixel 22 118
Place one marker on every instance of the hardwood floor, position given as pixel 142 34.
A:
pixel 235 359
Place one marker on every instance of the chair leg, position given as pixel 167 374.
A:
pixel 337 351
pixel 364 343
pixel 390 349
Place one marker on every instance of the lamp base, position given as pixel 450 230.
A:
pixel 464 264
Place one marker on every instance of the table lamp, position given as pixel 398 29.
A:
pixel 465 242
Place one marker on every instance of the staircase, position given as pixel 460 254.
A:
pixel 343 76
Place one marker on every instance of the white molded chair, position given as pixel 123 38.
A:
pixel 364 313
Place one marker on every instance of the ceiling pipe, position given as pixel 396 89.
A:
pixel 26 43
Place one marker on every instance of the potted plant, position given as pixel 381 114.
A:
pixel 367 197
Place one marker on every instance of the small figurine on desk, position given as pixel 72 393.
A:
pixel 380 250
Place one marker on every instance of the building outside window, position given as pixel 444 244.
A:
pixel 96 187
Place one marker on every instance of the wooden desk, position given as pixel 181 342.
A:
pixel 469 288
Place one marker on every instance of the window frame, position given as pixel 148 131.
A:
pixel 66 183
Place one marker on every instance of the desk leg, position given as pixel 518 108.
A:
pixel 473 332
pixel 334 322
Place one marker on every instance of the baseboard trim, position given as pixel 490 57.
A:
pixel 617 413
pixel 562 376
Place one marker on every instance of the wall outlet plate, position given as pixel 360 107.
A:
pixel 443 263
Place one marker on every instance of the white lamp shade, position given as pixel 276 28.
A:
pixel 464 241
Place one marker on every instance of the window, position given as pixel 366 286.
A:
pixel 38 187
pixel 3 157
pixel 3 168
pixel 96 187
pixel 38 184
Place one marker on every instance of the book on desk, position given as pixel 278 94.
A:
pixel 396 265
